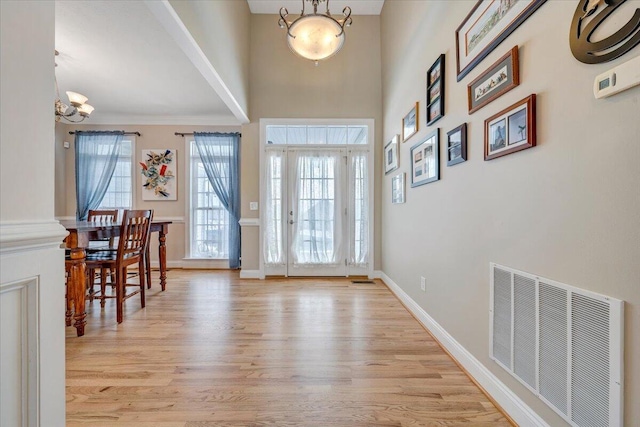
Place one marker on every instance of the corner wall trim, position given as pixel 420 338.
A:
pixel 250 274
pixel 507 399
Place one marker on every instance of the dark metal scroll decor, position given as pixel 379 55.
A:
pixel 588 16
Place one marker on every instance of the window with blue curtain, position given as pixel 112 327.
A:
pixel 97 154
pixel 220 159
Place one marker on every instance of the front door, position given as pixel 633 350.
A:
pixel 317 212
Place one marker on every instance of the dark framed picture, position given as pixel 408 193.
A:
pixel 391 155
pixel 397 188
pixel 486 26
pixel 499 79
pixel 435 91
pixel 425 159
pixel 512 129
pixel 410 123
pixel 457 145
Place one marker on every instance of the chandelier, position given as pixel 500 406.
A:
pixel 77 111
pixel 315 36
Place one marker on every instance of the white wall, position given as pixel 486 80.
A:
pixel 31 293
pixel 568 209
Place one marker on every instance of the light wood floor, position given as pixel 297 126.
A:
pixel 214 350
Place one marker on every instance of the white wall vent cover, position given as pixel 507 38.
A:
pixel 563 343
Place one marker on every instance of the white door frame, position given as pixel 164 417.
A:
pixel 370 123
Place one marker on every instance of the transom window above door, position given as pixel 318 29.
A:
pixel 317 135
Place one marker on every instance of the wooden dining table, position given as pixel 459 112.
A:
pixel 80 234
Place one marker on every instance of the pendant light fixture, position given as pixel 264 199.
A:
pixel 315 36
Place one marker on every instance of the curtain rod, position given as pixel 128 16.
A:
pixel 126 133
pixel 191 134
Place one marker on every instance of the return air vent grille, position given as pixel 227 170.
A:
pixel 563 343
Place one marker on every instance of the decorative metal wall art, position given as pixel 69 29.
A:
pixel 587 18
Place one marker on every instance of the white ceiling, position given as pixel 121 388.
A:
pixel 358 7
pixel 133 72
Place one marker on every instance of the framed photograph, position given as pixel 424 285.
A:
pixel 410 123
pixel 435 91
pixel 391 155
pixel 512 129
pixel 457 145
pixel 486 26
pixel 425 159
pixel 499 79
pixel 158 168
pixel 397 189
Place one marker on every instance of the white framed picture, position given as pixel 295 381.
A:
pixel 391 154
pixel 397 188
pixel 158 168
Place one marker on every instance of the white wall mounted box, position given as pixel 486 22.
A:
pixel 617 79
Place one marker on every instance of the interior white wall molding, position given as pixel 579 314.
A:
pixel 19 236
pixel 249 222
pixel 507 399
pixel 250 274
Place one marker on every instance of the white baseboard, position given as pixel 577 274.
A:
pixel 194 264
pixel 505 397
pixel 376 274
pixel 249 274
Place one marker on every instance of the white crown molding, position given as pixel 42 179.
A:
pixel 120 119
pixel 20 236
pixel 504 396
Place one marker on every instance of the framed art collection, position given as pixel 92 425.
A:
pixel 486 26
pixel 410 123
pixel 397 188
pixel 457 145
pixel 512 129
pixel 497 80
pixel 435 91
pixel 425 159
pixel 391 155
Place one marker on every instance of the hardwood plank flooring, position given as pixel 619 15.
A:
pixel 215 350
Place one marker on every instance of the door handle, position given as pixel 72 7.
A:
pixel 290 221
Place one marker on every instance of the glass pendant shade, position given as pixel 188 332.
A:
pixel 85 109
pixel 315 37
pixel 76 99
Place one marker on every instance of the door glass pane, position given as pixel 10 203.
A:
pixel 359 208
pixel 318 217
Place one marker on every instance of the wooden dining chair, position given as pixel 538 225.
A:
pixel 132 246
pixel 102 216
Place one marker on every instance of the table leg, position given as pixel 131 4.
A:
pixel 162 237
pixel 76 287
pixel 147 265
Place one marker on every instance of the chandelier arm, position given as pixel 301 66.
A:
pixel 72 121
pixel 282 22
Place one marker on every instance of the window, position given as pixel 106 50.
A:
pixel 209 219
pixel 119 195
pixel 316 135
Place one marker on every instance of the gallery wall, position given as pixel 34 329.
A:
pixel 153 137
pixel 566 209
